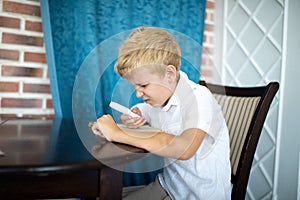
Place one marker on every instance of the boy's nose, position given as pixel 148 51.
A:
pixel 139 93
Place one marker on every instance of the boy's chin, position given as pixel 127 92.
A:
pixel 154 105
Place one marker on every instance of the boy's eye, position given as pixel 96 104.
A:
pixel 142 85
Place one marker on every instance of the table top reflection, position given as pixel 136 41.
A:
pixel 52 145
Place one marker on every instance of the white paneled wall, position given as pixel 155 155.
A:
pixel 251 54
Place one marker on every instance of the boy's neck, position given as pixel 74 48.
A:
pixel 174 88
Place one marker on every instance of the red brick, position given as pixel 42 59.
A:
pixel 9 54
pixel 22 39
pixel 34 26
pixel 21 8
pixel 9 87
pixel 204 38
pixel 9 22
pixel 209 27
pixel 21 103
pixel 21 71
pixel 208 50
pixel 49 103
pixel 35 57
pixel 206 73
pixel 209 16
pixel 36 88
pixel 210 5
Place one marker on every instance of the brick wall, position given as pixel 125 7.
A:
pixel 208 42
pixel 24 82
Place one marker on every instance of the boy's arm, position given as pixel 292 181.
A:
pixel 180 147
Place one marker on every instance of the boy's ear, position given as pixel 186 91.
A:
pixel 171 72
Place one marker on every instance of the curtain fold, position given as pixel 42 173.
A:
pixel 82 40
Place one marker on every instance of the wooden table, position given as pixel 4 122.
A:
pixel 47 159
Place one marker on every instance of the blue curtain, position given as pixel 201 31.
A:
pixel 82 38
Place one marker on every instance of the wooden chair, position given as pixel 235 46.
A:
pixel 245 110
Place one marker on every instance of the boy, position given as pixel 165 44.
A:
pixel 193 137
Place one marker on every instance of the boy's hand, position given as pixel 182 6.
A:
pixel 108 127
pixel 94 128
pixel 133 122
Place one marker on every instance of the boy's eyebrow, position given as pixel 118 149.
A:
pixel 138 83
pixel 142 83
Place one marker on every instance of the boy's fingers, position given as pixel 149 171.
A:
pixel 96 130
pixel 125 117
pixel 136 110
pixel 140 121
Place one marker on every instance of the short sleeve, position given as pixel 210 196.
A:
pixel 203 112
pixel 198 109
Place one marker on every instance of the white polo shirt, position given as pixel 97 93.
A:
pixel 207 174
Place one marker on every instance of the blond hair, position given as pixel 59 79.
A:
pixel 148 46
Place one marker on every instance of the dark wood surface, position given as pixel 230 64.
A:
pixel 50 159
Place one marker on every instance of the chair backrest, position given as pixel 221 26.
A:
pixel 245 110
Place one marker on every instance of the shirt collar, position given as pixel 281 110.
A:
pixel 173 101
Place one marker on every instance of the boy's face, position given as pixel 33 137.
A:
pixel 155 89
